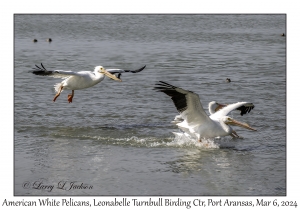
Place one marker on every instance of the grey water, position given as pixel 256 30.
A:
pixel 116 137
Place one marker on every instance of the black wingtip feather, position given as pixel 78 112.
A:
pixel 178 98
pixel 41 71
pixel 43 67
pixel 245 110
pixel 138 70
pixel 165 85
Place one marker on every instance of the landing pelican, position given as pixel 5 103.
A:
pixel 80 80
pixel 218 110
pixel 195 121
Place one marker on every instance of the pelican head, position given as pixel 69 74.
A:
pixel 230 121
pixel 102 70
pixel 214 106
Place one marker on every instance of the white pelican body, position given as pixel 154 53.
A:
pixel 210 129
pixel 218 110
pixel 195 121
pixel 80 80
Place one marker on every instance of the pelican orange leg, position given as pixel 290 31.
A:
pixel 70 96
pixel 58 93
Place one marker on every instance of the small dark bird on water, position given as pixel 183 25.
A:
pixel 283 34
pixel 35 40
pixel 228 80
pixel 49 40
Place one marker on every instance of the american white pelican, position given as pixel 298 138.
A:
pixel 213 107
pixel 80 80
pixel 218 110
pixel 195 121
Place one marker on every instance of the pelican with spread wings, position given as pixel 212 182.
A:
pixel 194 119
pixel 80 80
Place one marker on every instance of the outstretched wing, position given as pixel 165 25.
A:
pixel 42 71
pixel 244 107
pixel 187 103
pixel 120 71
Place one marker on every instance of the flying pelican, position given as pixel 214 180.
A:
pixel 80 80
pixel 195 121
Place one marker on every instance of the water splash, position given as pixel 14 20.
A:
pixel 181 140
pixel 184 139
